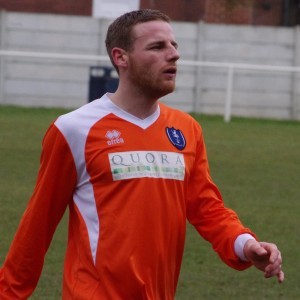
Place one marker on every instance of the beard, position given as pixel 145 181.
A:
pixel 149 83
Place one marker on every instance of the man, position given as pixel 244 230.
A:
pixel 131 171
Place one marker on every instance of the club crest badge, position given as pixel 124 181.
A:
pixel 176 137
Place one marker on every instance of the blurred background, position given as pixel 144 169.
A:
pixel 238 58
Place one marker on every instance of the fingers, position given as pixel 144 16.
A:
pixel 272 270
pixel 265 257
pixel 274 253
pixel 254 249
pixel 274 267
pixel 280 277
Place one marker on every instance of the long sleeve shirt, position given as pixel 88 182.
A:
pixel 130 185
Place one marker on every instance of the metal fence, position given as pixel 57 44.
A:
pixel 230 68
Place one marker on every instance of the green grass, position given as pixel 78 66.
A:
pixel 255 163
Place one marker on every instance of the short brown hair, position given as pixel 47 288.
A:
pixel 119 33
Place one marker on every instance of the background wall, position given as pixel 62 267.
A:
pixel 255 12
pixel 49 82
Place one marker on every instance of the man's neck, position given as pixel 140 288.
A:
pixel 135 104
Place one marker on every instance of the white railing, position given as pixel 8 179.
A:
pixel 231 68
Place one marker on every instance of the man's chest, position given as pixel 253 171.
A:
pixel 121 150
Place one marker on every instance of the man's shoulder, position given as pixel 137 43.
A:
pixel 176 113
pixel 83 117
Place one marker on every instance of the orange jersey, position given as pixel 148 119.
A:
pixel 130 185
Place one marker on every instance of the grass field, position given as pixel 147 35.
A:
pixel 255 163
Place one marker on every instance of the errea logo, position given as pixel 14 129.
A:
pixel 114 137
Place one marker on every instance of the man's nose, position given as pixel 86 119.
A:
pixel 173 54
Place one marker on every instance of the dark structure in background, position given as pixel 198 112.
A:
pixel 66 7
pixel 246 12
pixel 291 13
pixel 179 10
pixel 102 80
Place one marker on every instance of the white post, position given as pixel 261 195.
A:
pixel 199 71
pixel 2 44
pixel 228 101
pixel 295 92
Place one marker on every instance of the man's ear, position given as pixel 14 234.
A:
pixel 119 57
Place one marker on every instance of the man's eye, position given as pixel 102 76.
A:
pixel 156 47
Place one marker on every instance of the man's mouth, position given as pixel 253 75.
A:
pixel 170 71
